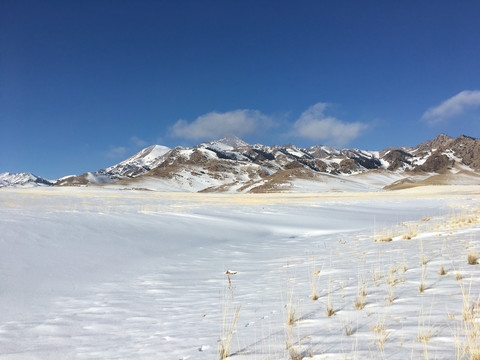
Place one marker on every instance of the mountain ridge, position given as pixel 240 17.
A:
pixel 230 164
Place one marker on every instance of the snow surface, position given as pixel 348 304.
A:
pixel 95 273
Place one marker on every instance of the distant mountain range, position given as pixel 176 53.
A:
pixel 232 165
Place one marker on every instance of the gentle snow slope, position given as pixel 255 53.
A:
pixel 107 274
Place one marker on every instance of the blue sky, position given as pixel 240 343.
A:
pixel 85 84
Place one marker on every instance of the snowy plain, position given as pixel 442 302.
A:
pixel 98 273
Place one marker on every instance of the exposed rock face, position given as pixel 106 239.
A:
pixel 467 149
pixel 397 158
pixel 437 162
pixel 440 142
pixel 347 166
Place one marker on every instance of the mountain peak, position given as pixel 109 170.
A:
pixel 442 139
pixel 232 140
pixel 228 142
pixel 439 142
pixel 140 162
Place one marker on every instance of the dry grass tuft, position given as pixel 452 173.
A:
pixel 471 323
pixel 383 239
pixel 294 354
pixel 412 231
pixel 360 302
pixel 421 287
pixel 314 281
pixel 424 260
pixel 381 341
pixel 381 334
pixel 391 298
pixel 472 258
pixel 442 271
pixel 379 326
pixel 330 311
pixel 424 337
pixel 348 329
pixel 224 344
pixel 422 254
pixel 291 316
pixel 458 276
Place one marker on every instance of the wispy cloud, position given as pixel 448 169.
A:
pixel 315 125
pixel 136 141
pixel 213 124
pixel 116 152
pixel 453 107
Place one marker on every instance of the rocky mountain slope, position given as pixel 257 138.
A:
pixel 232 165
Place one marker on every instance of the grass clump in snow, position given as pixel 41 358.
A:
pixel 362 294
pixel 422 254
pixel 472 258
pixel 227 333
pixel 383 238
pixel 381 334
pixel 442 271
pixel 291 316
pixel 314 281
pixel 360 302
pixel 471 323
pixel 292 342
pixel 422 287
pixel 330 310
pixel 228 327
pixel 412 231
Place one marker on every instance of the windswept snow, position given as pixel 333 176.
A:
pixel 96 273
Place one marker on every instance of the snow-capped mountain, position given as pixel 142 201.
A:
pixel 139 163
pixel 135 165
pixel 231 164
pixel 22 179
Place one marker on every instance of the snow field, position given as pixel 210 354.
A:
pixel 91 273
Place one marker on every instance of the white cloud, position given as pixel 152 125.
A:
pixel 214 125
pixel 116 152
pixel 314 124
pixel 135 140
pixel 453 107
